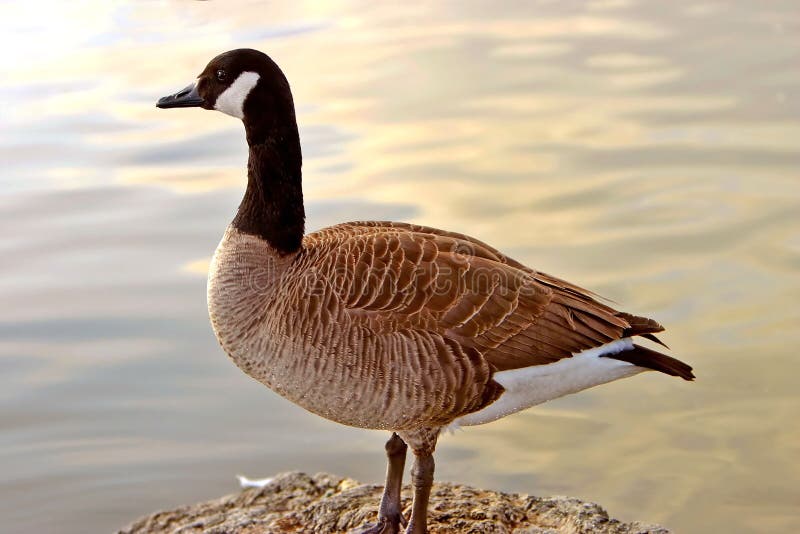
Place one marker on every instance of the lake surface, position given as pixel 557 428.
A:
pixel 649 151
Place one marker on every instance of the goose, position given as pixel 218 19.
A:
pixel 389 325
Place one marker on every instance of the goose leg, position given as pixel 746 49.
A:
pixel 390 516
pixel 422 480
pixel 423 442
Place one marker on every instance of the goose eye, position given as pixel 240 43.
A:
pixel 221 76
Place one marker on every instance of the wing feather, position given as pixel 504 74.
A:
pixel 480 304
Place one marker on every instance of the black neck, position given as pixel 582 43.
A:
pixel 272 207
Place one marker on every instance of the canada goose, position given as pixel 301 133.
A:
pixel 388 325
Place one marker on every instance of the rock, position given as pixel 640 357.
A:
pixel 299 503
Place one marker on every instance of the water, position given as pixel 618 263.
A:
pixel 646 150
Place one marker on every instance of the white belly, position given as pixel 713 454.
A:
pixel 534 385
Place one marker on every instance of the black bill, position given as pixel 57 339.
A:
pixel 185 98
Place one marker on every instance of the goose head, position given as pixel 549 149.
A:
pixel 248 85
pixel 243 83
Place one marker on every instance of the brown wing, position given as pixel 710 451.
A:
pixel 399 276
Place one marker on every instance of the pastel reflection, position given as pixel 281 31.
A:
pixel 647 150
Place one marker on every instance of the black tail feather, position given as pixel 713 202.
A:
pixel 652 337
pixel 642 326
pixel 650 359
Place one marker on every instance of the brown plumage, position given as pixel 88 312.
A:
pixel 390 325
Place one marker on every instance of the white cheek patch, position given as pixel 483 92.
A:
pixel 231 100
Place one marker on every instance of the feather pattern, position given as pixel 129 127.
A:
pixel 397 326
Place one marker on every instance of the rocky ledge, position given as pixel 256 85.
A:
pixel 322 503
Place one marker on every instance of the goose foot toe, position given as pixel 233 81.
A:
pixel 385 525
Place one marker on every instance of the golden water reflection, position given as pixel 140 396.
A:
pixel 646 150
